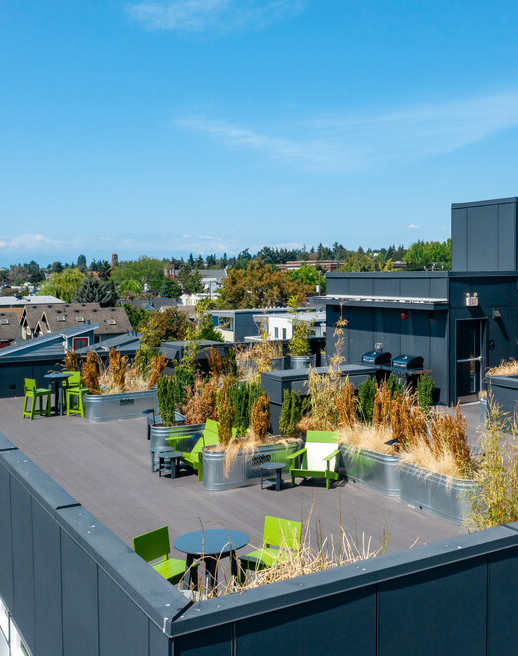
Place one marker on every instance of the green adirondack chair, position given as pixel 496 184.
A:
pixel 279 536
pixel 154 545
pixel 318 458
pixel 209 437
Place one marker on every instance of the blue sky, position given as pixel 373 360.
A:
pixel 162 127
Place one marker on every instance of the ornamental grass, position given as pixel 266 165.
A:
pixel 505 368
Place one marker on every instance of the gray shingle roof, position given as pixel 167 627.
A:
pixel 9 327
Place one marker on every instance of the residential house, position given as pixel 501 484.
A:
pixel 280 325
pixel 10 329
pixel 111 321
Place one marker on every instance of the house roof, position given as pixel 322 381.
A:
pixel 29 346
pixel 127 343
pixel 217 274
pixel 10 328
pixel 31 314
pixel 14 301
pixel 110 320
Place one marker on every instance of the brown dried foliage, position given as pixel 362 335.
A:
pixel 91 371
pixel 71 362
pixel 158 364
pixel 215 362
pixel 345 402
pixel 201 404
pixel 260 417
pixel 451 433
pixel 117 367
pixel 381 413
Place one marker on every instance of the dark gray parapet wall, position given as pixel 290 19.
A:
pixel 503 392
pixel 296 380
pixel 484 235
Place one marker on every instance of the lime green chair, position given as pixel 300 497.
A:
pixel 155 545
pixel 280 536
pixel 209 437
pixel 75 392
pixel 37 395
pixel 318 458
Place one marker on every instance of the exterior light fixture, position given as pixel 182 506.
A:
pixel 496 314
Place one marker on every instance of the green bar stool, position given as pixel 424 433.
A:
pixel 32 392
pixel 75 405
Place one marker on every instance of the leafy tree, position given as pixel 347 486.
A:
pixel 56 267
pixel 427 255
pixel 145 269
pixel 93 290
pixel 166 326
pixel 136 315
pixel 63 285
pixel 308 275
pixel 170 289
pixel 130 286
pixel 259 285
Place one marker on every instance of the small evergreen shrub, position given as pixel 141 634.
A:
pixel 425 389
pixel 366 394
pixel 166 399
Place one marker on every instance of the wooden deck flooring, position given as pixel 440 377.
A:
pixel 106 467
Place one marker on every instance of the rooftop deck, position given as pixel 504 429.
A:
pixel 106 467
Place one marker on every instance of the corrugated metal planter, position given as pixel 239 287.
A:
pixel 276 364
pixel 436 494
pixel 245 469
pixel 111 407
pixel 158 434
pixel 302 361
pixel 372 470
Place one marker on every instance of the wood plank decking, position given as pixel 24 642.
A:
pixel 106 467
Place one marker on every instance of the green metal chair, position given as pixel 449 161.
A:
pixel 75 392
pixel 32 392
pixel 284 534
pixel 209 437
pixel 154 545
pixel 318 458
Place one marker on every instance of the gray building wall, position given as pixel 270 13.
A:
pixel 484 235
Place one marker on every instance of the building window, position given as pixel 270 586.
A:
pixel 284 333
pixel 276 333
pixel 79 342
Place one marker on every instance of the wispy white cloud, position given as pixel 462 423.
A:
pixel 346 143
pixel 30 242
pixel 219 15
pixel 413 226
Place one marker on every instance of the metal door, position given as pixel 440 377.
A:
pixel 470 340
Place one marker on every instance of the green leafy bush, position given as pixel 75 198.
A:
pixel 366 394
pixel 424 390
pixel 166 399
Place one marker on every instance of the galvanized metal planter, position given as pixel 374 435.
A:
pixel 158 434
pixel 436 494
pixel 276 364
pixel 245 469
pixel 302 361
pixel 111 407
pixel 372 470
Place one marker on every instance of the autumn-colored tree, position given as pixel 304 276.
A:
pixel 258 286
pixel 165 326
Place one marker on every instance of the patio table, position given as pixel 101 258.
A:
pixel 210 545
pixel 57 377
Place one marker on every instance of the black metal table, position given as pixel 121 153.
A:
pixel 269 467
pixel 210 546
pixel 57 377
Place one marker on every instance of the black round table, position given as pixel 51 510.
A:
pixel 210 545
pixel 58 377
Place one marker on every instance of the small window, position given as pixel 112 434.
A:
pixel 79 342
pixel 226 323
pixel 4 322
pixel 276 331
pixel 284 333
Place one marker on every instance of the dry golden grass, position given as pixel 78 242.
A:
pixel 442 462
pixel 247 446
pixel 362 436
pixel 505 368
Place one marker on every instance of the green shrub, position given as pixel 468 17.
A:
pixel 395 387
pixel 366 394
pixel 166 399
pixel 424 390
pixel 229 363
pixel 183 383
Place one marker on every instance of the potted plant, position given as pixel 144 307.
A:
pixel 300 347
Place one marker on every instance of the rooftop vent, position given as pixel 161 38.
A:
pixel 4 322
pixel 61 318
pixel 80 319
pixel 112 322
